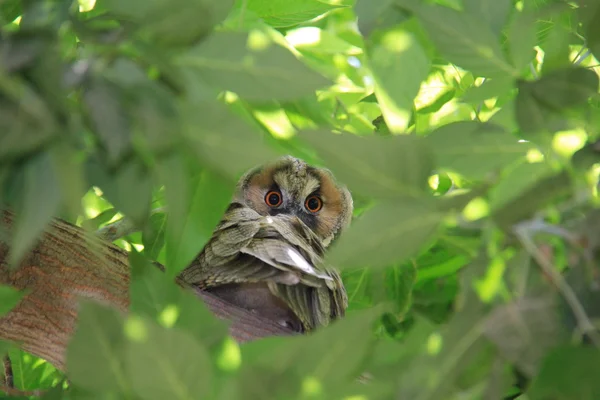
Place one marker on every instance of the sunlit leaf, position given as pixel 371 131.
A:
pixel 252 66
pixel 399 64
pixel 283 13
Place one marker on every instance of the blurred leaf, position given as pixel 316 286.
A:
pixel 565 88
pixel 384 167
pixel 223 141
pixel 153 295
pixel 9 298
pixel 106 110
pixel 374 14
pixel 399 64
pixel 399 281
pixel 389 232
pixel 432 373
pixel 493 12
pixel 129 188
pixel 94 354
pixel 40 182
pixel 474 149
pixel 196 199
pixel 524 330
pixel 488 89
pixel 251 66
pixel 589 13
pixel 283 13
pixel 167 364
pixel 465 40
pixel 443 99
pixel 533 198
pixel 172 22
pixel 578 381
pixel 153 236
pixel 313 355
pixel 518 180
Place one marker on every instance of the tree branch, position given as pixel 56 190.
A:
pixel 69 263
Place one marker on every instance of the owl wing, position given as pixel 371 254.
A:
pixel 314 306
pixel 248 247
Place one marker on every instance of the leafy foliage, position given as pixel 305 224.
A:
pixel 465 129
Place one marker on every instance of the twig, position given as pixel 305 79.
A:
pixel 583 321
pixel 122 227
pixel 8 372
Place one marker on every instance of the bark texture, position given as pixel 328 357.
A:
pixel 69 263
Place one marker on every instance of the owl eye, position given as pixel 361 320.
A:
pixel 273 199
pixel 313 203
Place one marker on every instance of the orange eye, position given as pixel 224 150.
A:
pixel 313 203
pixel 273 199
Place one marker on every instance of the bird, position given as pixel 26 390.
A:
pixel 266 254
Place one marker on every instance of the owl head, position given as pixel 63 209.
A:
pixel 292 187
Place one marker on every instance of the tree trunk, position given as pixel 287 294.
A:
pixel 68 263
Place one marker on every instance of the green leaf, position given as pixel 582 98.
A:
pixel 129 188
pixel 155 296
pixel 521 39
pixel 9 298
pixel 532 118
pixel 534 196
pixel 465 40
pixel 388 233
pixel 109 118
pixel 578 381
pixel 399 64
pixel 374 14
pixel 493 12
pixel 488 89
pixel 40 182
pixel 565 88
pixel 222 141
pixel 589 13
pixel 167 364
pixel 251 66
pixel 283 13
pixel 94 354
pixel 518 180
pixel 196 199
pixel 376 166
pixel 321 355
pixel 399 284
pixel 474 149
pixel 153 236
pixel 172 22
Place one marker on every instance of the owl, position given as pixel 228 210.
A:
pixel 266 253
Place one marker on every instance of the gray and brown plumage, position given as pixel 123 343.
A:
pixel 266 253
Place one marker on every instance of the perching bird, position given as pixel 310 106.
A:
pixel 266 253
